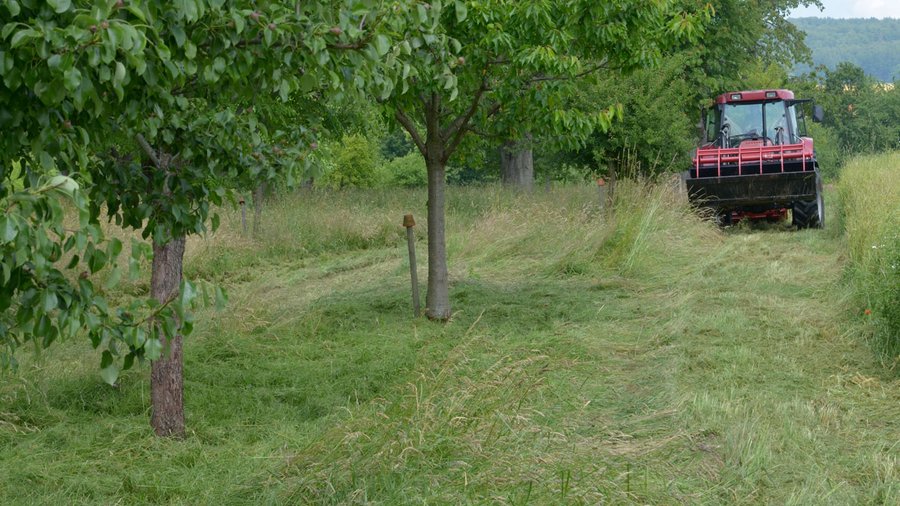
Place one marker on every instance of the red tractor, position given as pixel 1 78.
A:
pixel 756 160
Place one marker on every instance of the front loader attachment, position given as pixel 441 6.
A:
pixel 727 193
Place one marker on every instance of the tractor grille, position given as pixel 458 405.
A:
pixel 750 160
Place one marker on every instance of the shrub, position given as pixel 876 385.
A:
pixel 828 150
pixel 407 171
pixel 355 164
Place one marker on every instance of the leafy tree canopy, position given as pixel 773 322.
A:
pixel 148 108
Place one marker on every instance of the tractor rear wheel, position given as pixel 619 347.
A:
pixel 804 214
pixel 810 213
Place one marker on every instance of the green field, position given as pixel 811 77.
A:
pixel 636 356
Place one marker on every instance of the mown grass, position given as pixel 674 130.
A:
pixel 870 191
pixel 640 356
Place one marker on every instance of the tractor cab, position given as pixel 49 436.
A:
pixel 755 118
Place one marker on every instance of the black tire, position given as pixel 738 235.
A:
pixel 810 213
pixel 805 214
pixel 723 219
pixel 820 201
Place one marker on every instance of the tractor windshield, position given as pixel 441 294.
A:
pixel 766 122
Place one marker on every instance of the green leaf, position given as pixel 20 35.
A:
pixel 13 7
pixel 54 61
pixel 110 373
pixel 128 362
pixel 238 22
pixel 114 248
pixel 120 73
pixel 179 34
pixel 97 261
pixel 153 348
pixel 21 36
pixel 49 301
pixel 72 79
pixel 461 11
pixel 8 229
pixel 47 162
pixel 423 13
pixel 137 12
pixel 113 278
pixel 188 292
pixel 284 90
pixel 60 5
pixel 382 44
pixel 63 184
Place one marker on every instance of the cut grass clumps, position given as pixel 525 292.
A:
pixel 633 355
pixel 870 190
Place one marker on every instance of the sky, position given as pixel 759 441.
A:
pixel 852 9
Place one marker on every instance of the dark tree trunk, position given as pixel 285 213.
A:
pixel 613 167
pixel 517 165
pixel 166 374
pixel 436 147
pixel 437 298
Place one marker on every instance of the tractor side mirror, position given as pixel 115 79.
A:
pixel 818 114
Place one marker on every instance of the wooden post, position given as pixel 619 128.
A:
pixel 243 216
pixel 409 223
pixel 601 190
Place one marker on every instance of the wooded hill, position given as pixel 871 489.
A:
pixel 873 44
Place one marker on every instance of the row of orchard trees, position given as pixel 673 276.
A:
pixel 150 114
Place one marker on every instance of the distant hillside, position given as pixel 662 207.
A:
pixel 873 44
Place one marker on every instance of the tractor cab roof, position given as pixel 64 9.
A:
pixel 734 97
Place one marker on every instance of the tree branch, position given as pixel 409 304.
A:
pixel 410 127
pixel 464 118
pixel 600 66
pixel 148 150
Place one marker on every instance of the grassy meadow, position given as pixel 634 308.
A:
pixel 638 355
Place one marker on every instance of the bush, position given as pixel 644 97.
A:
pixel 828 150
pixel 354 164
pixel 407 171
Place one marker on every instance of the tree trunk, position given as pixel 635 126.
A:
pixel 437 299
pixel 517 165
pixel 613 166
pixel 166 374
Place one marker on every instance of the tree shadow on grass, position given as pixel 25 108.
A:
pixel 344 349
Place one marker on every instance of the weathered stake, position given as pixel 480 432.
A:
pixel 601 191
pixel 409 223
pixel 243 216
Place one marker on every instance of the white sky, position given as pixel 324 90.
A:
pixel 852 9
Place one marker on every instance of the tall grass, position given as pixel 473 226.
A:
pixel 566 230
pixel 870 192
pixel 629 355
